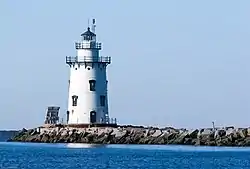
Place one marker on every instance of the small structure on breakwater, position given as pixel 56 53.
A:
pixel 52 115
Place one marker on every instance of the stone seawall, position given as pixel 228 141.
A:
pixel 137 135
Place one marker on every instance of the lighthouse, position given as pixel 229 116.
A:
pixel 87 86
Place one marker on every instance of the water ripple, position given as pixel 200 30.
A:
pixel 58 156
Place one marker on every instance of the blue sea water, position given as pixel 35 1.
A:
pixel 83 156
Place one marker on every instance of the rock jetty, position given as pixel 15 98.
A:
pixel 228 136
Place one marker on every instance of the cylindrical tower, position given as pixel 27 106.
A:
pixel 88 97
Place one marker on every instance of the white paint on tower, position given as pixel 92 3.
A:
pixel 88 97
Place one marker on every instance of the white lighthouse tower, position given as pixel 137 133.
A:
pixel 88 97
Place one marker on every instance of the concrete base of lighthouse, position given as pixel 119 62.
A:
pixel 90 125
pixel 81 125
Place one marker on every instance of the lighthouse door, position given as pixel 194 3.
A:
pixel 92 117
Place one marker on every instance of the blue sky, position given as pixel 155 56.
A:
pixel 174 63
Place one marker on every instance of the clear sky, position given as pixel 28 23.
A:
pixel 174 63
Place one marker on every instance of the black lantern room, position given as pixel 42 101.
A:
pixel 88 35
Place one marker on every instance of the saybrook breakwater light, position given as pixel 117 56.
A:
pixel 88 84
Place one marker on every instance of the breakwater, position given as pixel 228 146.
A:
pixel 228 136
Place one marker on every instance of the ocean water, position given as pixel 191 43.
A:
pixel 83 156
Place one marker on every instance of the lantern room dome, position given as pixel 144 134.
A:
pixel 88 33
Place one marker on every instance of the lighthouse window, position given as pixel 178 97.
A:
pixel 102 100
pixel 92 85
pixel 74 100
pixel 67 116
pixel 87 37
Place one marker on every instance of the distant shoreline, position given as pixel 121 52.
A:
pixel 229 136
pixel 7 134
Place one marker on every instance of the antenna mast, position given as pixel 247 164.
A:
pixel 93 26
